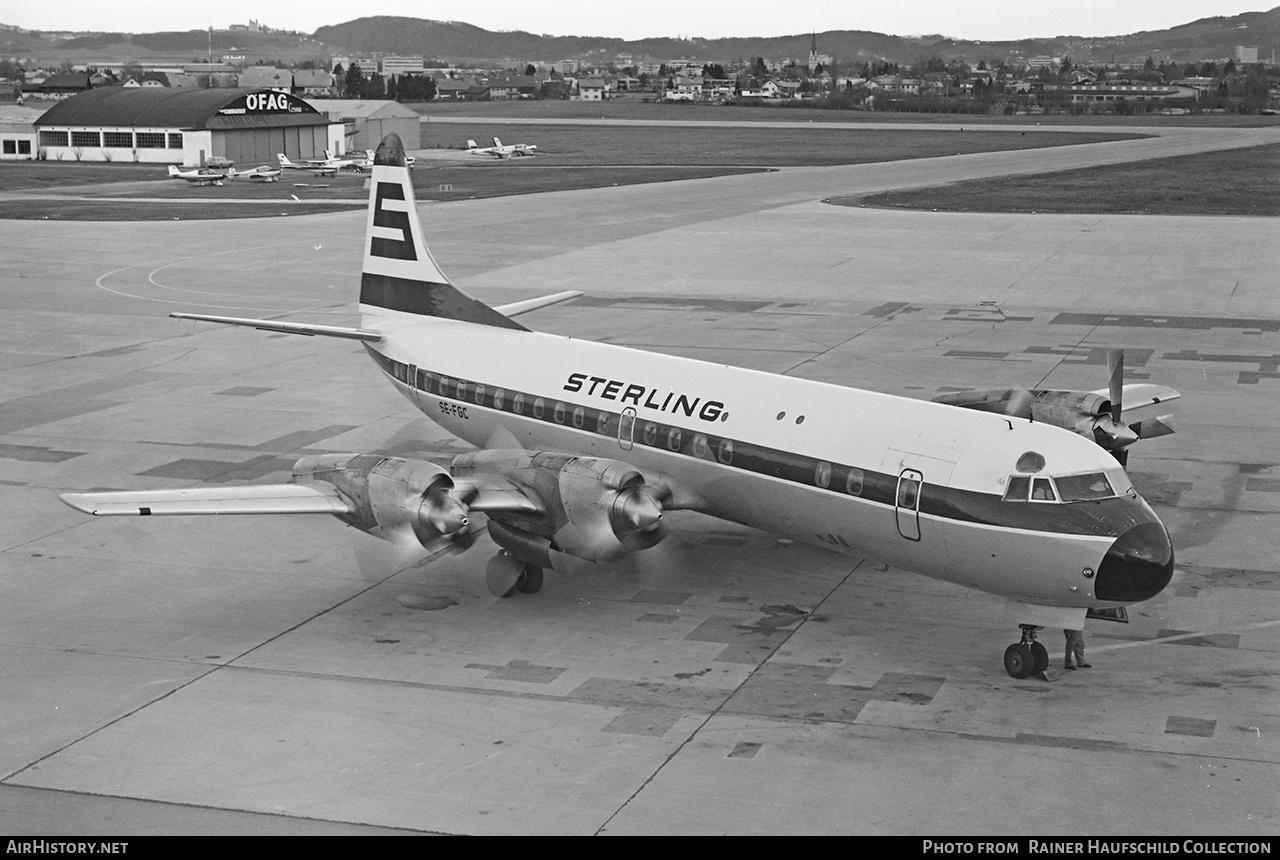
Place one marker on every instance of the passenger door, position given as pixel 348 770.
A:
pixel 907 503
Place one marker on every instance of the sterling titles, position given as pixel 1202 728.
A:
pixel 643 396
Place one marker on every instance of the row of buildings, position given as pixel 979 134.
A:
pixel 162 125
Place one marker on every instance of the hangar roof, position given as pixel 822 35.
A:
pixel 156 107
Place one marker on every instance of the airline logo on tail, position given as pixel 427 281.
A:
pixel 391 219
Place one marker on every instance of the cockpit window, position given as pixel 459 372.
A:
pixel 1042 490
pixel 1016 490
pixel 1079 488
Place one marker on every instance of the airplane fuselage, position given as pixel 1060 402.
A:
pixel 915 484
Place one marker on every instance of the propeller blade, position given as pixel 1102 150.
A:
pixel 1115 371
pixel 1019 405
pixel 501 574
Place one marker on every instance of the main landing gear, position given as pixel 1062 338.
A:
pixel 1028 657
pixel 507 574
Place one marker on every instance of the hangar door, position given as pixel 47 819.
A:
pixel 247 147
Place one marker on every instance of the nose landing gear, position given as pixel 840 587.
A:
pixel 1027 657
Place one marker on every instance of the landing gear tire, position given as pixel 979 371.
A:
pixel 530 582
pixel 1039 658
pixel 1018 661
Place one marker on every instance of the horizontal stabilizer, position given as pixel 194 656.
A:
pixel 250 499
pixel 288 327
pixel 516 308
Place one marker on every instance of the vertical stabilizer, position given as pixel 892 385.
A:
pixel 399 272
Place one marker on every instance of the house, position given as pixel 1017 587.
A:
pixel 592 89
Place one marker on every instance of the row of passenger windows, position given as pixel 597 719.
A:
pixel 820 473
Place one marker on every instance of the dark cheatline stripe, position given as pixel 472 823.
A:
pixel 1100 518
pixel 429 299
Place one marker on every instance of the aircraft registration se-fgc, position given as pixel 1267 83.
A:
pixel 583 446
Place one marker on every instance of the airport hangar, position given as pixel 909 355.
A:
pixel 186 126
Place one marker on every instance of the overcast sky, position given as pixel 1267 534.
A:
pixel 988 20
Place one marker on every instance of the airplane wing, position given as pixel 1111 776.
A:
pixel 249 499
pixel 516 308
pixel 485 493
pixel 288 327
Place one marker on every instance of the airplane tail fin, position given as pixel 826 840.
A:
pixel 173 171
pixel 399 273
pixel 471 144
pixel 497 142
pixel 284 162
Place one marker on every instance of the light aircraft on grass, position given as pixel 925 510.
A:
pixel 197 175
pixel 262 173
pixel 585 447
pixel 318 166
pixel 498 150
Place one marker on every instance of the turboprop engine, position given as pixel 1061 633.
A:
pixel 588 507
pixel 394 499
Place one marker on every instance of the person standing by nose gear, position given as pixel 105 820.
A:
pixel 1074 658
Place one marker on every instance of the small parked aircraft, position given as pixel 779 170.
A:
pixel 197 175
pixel 499 150
pixel 262 173
pixel 318 166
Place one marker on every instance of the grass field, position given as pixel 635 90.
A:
pixel 1234 182
pixel 633 107
pixel 573 156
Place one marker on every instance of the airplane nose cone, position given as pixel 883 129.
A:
pixel 1138 566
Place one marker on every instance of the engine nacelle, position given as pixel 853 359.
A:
pixel 392 498
pixel 594 508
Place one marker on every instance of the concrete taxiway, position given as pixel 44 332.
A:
pixel 289 675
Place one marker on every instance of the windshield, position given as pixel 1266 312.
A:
pixel 1079 488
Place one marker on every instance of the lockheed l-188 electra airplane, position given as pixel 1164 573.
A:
pixel 585 446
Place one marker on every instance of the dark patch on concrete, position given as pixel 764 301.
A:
pixel 992 314
pixel 668 598
pixel 1192 579
pixel 1157 489
pixel 521 670
pixel 973 353
pixel 684 676
pixel 291 442
pixel 1067 742
pixel 1207 640
pixel 387 641
pixel 1190 726
pixel 1096 356
pixel 802 691
pixel 651 693
pixel 643 721
pixel 1262 485
pixel 733 598
pixel 657 618
pixel 428 603
pixel 23 413
pixel 36 454
pixel 744 749
pixel 741 306
pixel 888 309
pixel 219 471
pixel 244 391
pixel 1253 468
pixel 1169 322
pixel 1268 365
pixel 749 642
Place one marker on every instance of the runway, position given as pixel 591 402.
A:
pixel 289 675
